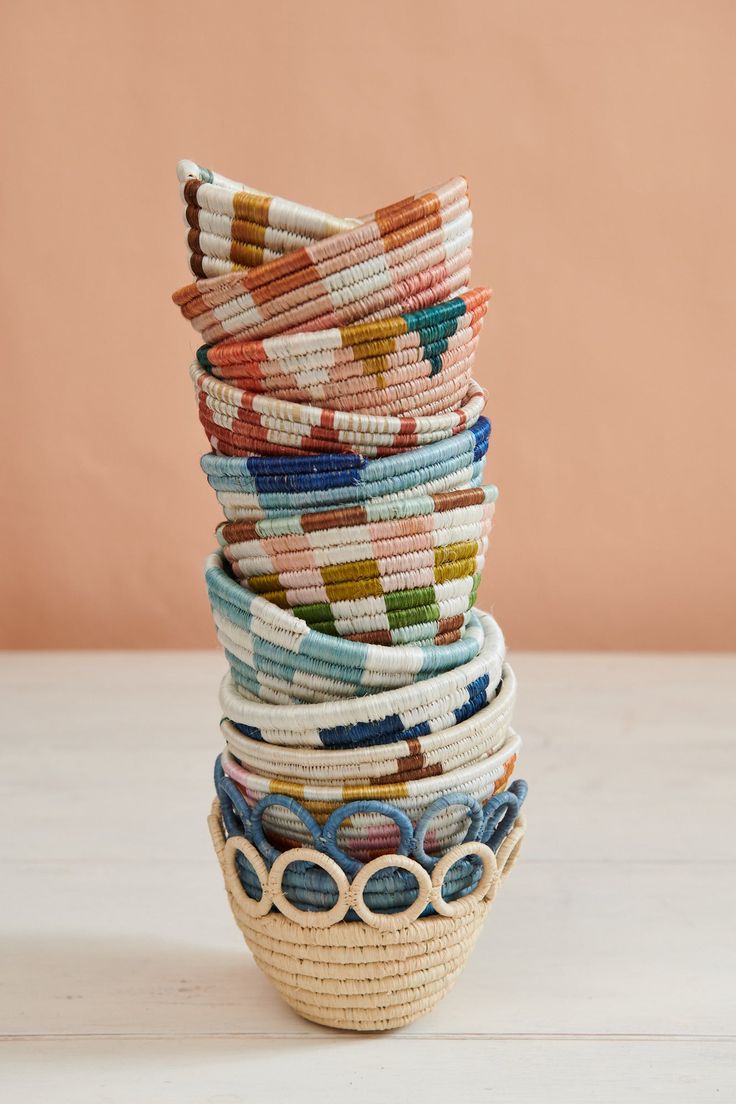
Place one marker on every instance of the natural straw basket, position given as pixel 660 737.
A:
pixel 374 974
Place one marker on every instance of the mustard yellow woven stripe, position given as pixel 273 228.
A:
pixel 371 350
pixel 278 597
pixel 252 208
pixel 457 570
pixel 355 793
pixel 247 256
pixel 373 331
pixel 357 569
pixel 289 789
pixel 360 588
pixel 461 550
pixel 375 366
pixel 248 233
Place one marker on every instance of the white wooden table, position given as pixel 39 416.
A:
pixel 606 971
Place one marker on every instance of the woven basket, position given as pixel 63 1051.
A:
pixel 374 974
pixel 481 732
pixel 440 538
pixel 257 489
pixel 378 527
pixel 348 712
pixel 412 255
pixel 261 637
pixel 241 423
pixel 419 591
pixel 387 366
pixel 303 562
pixel 480 780
pixel 357 832
pixel 339 578
pixel 234 226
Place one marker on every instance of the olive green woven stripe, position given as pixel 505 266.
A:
pixel 420 596
pixel 318 614
pixel 400 618
pixel 317 611
pixel 326 627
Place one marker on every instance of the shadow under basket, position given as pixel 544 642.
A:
pixel 376 973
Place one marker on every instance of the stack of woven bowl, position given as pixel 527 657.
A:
pixel 365 810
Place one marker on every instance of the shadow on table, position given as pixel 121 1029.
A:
pixel 75 986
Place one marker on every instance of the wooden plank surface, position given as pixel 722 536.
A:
pixel 606 968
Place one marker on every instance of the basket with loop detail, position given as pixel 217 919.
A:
pixel 381 971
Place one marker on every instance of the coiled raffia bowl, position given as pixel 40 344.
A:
pixel 376 973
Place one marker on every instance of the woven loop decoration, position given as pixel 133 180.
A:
pixel 359 822
pixel 350 895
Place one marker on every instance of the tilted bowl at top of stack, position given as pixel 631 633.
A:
pixel 410 255
pixel 234 226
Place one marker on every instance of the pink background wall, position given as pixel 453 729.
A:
pixel 598 139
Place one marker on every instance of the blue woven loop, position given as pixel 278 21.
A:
pixel 328 840
pixel 390 890
pixel 521 789
pixel 475 813
pixel 501 813
pixel 269 852
pixel 236 815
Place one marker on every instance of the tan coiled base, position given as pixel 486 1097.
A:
pixel 357 976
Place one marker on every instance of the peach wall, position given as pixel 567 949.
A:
pixel 598 140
